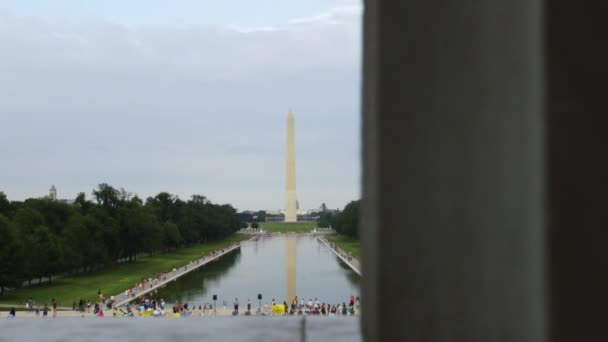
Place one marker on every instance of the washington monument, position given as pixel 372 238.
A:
pixel 290 189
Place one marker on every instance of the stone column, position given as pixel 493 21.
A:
pixel 452 225
pixel 577 173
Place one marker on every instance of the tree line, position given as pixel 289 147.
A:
pixel 345 222
pixel 43 238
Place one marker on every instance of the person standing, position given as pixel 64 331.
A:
pixel 248 306
pixel 236 306
pixel 11 314
pixel 45 310
pixel 54 308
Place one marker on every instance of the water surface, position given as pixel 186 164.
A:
pixel 277 267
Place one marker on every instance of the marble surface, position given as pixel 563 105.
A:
pixel 185 329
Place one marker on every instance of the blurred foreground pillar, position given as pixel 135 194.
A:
pixel 577 168
pixel 453 225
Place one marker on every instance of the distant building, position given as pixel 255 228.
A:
pixel 275 218
pixel 53 193
pixel 308 218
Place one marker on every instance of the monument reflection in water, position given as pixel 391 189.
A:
pixel 290 248
pixel 279 267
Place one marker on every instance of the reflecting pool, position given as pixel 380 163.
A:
pixel 278 267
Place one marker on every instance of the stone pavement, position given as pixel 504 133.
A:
pixel 354 264
pixel 228 329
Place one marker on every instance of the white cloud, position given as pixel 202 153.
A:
pixel 345 11
pixel 151 109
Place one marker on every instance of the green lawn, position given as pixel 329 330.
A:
pixel 296 227
pixel 346 243
pixel 112 281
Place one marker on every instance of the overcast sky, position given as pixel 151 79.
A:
pixel 184 96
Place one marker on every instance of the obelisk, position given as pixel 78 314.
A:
pixel 290 189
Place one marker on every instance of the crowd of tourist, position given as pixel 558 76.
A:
pixel 148 307
pixel 348 256
pixel 298 306
pixel 32 306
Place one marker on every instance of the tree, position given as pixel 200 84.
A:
pixel 46 253
pixel 325 219
pixel 260 216
pixel 5 205
pixel 46 238
pixel 173 238
pixel 11 255
pixel 26 220
pixel 75 242
pixel 106 196
pixel 81 203
pixel 255 225
pixel 347 222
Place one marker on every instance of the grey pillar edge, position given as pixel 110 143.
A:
pixel 433 270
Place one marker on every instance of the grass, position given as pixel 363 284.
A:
pixel 114 280
pixel 347 244
pixel 295 227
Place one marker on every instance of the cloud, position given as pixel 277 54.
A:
pixel 186 110
pixel 345 11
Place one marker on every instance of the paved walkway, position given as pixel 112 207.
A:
pixel 354 264
pixel 122 299
pixel 265 233
pixel 216 329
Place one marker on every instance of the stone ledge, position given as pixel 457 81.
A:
pixel 184 329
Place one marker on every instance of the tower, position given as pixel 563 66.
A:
pixel 53 193
pixel 290 189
